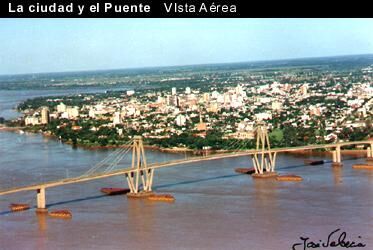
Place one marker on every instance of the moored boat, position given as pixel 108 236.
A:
pixel 363 166
pixel 161 197
pixel 115 191
pixel 245 170
pixel 19 207
pixel 63 214
pixel 289 177
pixel 314 162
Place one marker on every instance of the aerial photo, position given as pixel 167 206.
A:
pixel 186 134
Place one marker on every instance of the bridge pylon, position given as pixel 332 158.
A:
pixel 264 160
pixel 141 177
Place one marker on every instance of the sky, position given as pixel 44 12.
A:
pixel 58 45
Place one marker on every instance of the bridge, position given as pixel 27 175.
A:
pixel 140 175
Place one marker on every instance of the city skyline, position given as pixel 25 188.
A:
pixel 44 46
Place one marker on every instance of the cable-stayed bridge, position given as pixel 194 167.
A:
pixel 140 175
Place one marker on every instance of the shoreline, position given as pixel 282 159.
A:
pixel 11 129
pixel 354 152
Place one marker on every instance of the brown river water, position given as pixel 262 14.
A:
pixel 215 207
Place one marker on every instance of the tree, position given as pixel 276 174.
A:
pixel 276 137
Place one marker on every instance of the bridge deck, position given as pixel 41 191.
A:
pixel 172 163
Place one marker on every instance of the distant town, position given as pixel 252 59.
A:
pixel 214 109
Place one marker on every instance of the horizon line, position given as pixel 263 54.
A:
pixel 182 65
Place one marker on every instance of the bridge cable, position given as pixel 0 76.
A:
pixel 109 159
pixel 117 160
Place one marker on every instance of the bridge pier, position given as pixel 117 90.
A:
pixel 337 160
pixel 370 153
pixel 40 200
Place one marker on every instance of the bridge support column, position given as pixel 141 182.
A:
pixel 337 160
pixel 141 172
pixel 370 153
pixel 40 200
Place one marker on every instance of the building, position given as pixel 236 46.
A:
pixel 206 97
pixel 180 120
pixel 172 100
pixel 187 90
pixel 239 90
pixel 263 116
pixel 276 105
pixel 117 119
pixel 160 100
pixel 44 115
pixel 61 108
pixel 130 92
pixel 92 113
pixel 213 107
pixel 304 90
pixel 241 135
pixel 72 112
pixel 173 91
pixel 32 120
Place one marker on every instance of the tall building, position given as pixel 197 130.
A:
pixel 188 90
pixel 173 91
pixel 176 101
pixel 239 90
pixel 227 99
pixel 117 119
pixel 180 120
pixel 304 89
pixel 45 115
pixel 160 100
pixel 172 100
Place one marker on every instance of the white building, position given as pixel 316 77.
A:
pixel 117 118
pixel 130 92
pixel 180 120
pixel 92 113
pixel 61 108
pixel 160 100
pixel 32 120
pixel 276 105
pixel 72 112
pixel 263 116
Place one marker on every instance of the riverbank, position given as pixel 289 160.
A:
pixel 11 129
pixel 353 152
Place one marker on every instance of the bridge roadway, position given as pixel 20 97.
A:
pixel 173 163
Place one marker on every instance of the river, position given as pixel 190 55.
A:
pixel 9 99
pixel 215 207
